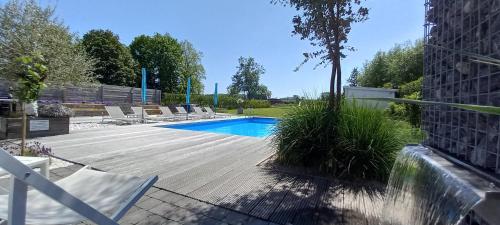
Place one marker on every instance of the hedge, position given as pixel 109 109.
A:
pixel 225 101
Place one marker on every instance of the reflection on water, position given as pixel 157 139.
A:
pixel 421 192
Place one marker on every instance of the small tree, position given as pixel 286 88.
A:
pixel 247 79
pixel 326 24
pixel 353 79
pixel 31 80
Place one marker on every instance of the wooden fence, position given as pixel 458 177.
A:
pixel 104 94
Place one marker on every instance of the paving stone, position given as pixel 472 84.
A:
pixel 155 220
pixel 148 203
pixel 135 216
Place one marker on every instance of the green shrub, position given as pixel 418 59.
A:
pixel 225 101
pixel 253 103
pixel 305 135
pixel 357 143
pixel 411 87
pixel 368 144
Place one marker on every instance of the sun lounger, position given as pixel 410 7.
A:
pixel 138 111
pixel 117 114
pixel 182 111
pixel 165 112
pixel 198 111
pixel 212 113
pixel 102 198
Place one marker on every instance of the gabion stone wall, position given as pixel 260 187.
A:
pixel 456 31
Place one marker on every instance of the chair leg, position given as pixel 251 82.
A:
pixel 17 202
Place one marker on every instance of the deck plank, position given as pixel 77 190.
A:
pixel 207 178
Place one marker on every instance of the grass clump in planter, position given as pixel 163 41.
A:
pixel 356 143
pixel 368 143
pixel 305 134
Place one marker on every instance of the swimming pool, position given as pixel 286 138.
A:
pixel 254 127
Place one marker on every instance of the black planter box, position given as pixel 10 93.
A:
pixel 36 127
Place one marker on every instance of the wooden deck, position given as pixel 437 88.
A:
pixel 207 178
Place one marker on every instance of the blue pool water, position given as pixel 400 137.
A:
pixel 254 127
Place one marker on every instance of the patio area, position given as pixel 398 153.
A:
pixel 207 178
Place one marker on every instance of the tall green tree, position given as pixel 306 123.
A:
pixel 114 63
pixel 160 54
pixel 27 29
pixel 191 67
pixel 400 65
pixel 246 80
pixel 327 24
pixel 353 79
pixel 375 72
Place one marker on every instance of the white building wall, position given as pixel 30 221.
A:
pixel 366 92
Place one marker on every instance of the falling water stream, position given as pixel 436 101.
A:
pixel 425 189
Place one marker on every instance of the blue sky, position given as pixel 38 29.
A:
pixel 227 29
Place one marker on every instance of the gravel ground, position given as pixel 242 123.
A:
pixel 90 125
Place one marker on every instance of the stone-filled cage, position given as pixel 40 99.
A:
pixel 461 37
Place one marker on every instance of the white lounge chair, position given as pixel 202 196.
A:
pixel 138 111
pixel 198 111
pixel 115 113
pixel 213 114
pixel 100 197
pixel 182 111
pixel 166 113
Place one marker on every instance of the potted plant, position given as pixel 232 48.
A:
pixel 31 76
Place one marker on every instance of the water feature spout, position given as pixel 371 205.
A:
pixel 425 188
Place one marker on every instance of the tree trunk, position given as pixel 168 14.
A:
pixel 23 127
pixel 339 84
pixel 331 96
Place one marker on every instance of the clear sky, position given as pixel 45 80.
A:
pixel 227 29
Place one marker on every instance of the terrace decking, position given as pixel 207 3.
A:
pixel 207 178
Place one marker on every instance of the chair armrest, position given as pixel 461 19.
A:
pixel 39 182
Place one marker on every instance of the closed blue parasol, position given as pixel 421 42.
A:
pixel 216 98
pixel 143 86
pixel 188 97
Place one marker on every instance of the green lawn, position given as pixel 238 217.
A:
pixel 275 111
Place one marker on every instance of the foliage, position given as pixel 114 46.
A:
pixel 31 77
pixel 160 54
pixel 277 111
pixel 27 29
pixel 191 67
pixel 327 24
pixel 114 63
pixel 375 73
pixel 246 80
pixel 306 135
pixel 225 101
pixel 353 79
pixel 34 148
pixel 407 133
pixel 368 144
pixel 54 111
pixel 254 103
pixel 401 64
pixel 404 111
pixel 357 143
pixel 411 87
